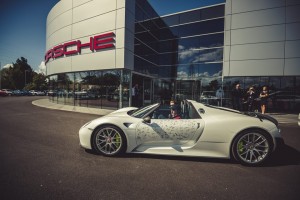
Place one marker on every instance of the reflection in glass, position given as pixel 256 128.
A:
pixel 194 56
pixel 199 28
pixel 211 70
pixel 191 16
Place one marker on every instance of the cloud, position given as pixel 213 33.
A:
pixel 183 74
pixel 215 55
pixel 42 68
pixel 7 66
pixel 195 56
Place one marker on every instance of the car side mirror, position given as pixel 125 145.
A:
pixel 147 120
pixel 201 110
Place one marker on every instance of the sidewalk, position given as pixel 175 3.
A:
pixel 282 118
pixel 50 105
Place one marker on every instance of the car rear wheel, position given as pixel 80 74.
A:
pixel 252 147
pixel 109 141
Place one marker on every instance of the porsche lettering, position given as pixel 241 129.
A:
pixel 96 43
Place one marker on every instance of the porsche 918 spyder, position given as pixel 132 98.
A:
pixel 202 130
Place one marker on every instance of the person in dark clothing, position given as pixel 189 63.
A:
pixel 135 95
pixel 237 95
pixel 264 94
pixel 251 96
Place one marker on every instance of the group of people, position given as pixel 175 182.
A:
pixel 252 98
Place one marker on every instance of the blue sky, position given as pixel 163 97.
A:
pixel 23 26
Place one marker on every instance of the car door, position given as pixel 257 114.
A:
pixel 168 132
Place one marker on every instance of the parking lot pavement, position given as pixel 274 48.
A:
pixel 292 119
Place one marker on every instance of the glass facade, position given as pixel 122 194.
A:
pixel 175 57
pixel 284 92
pixel 183 53
pixel 100 89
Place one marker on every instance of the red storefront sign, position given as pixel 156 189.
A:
pixel 99 42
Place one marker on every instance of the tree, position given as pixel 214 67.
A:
pixel 38 82
pixel 22 73
pixel 21 76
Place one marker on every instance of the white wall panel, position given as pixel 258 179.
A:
pixel 80 2
pixel 120 23
pixel 293 13
pixel 257 51
pixel 59 65
pixel 61 21
pixel 292 67
pixel 120 38
pixel 227 39
pixel 227 22
pixel 59 37
pixel 226 68
pixel 94 61
pixel 292 49
pixel 251 5
pixel 228 5
pixel 93 9
pixel 58 9
pixel 226 54
pixel 258 34
pixel 293 31
pixel 100 24
pixel 258 18
pixel 271 67
pixel 120 57
pixel 121 4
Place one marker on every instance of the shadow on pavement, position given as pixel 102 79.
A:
pixel 286 155
pixel 283 157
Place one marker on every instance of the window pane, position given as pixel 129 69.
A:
pixel 171 20
pixel 199 42
pixel 199 28
pixel 190 16
pixel 213 12
pixel 194 56
pixel 210 70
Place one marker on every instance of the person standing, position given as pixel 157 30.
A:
pixel 220 96
pixel 251 98
pixel 237 95
pixel 264 94
pixel 135 95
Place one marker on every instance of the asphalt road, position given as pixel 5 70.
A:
pixel 40 158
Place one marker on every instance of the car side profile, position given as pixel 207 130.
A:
pixel 201 131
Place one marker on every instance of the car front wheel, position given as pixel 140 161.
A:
pixel 109 141
pixel 252 147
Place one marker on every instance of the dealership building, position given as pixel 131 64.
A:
pixel 98 50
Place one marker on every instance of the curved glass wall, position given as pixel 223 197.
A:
pixel 100 89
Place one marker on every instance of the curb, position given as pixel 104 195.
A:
pixel 45 103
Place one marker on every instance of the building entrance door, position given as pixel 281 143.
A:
pixel 144 94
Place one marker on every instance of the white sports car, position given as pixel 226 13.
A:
pixel 202 130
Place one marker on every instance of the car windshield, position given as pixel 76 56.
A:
pixel 141 112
